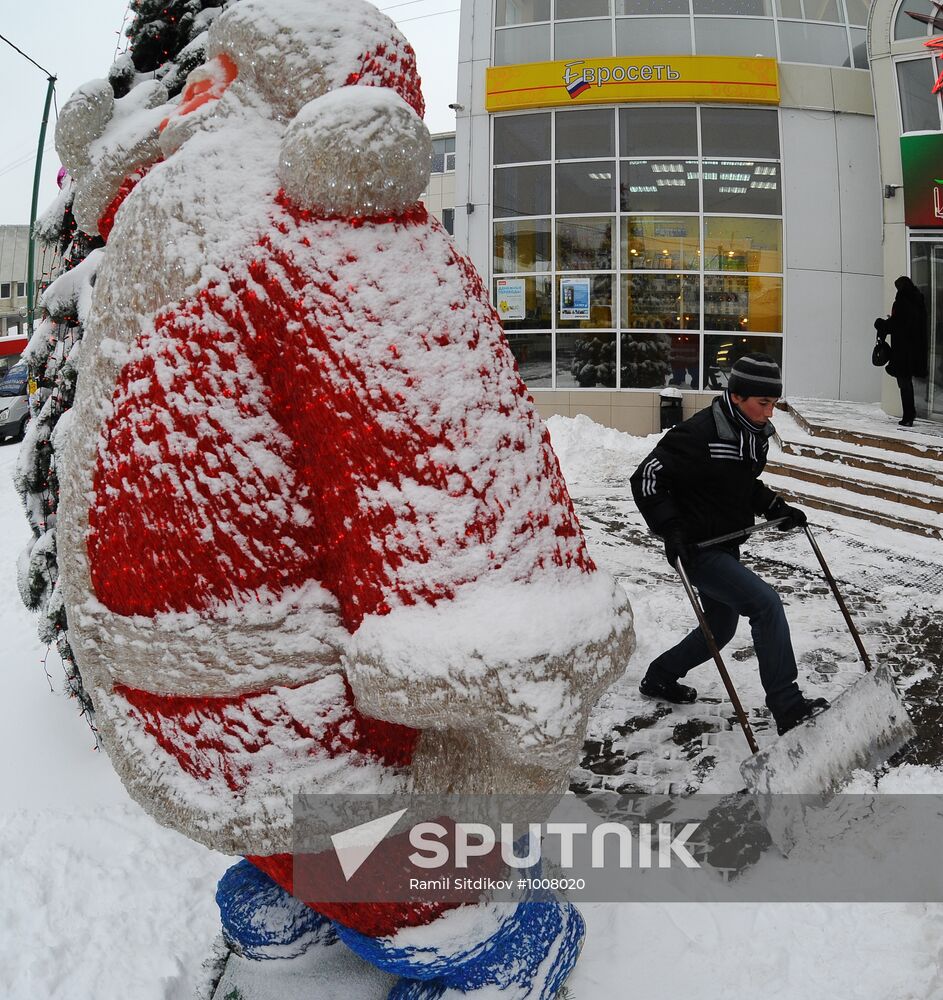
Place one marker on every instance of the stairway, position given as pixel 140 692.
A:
pixel 853 459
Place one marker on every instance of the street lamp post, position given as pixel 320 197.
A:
pixel 31 256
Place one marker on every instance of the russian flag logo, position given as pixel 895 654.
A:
pixel 577 87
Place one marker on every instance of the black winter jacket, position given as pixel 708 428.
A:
pixel 907 328
pixel 697 478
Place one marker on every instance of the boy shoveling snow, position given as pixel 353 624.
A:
pixel 702 482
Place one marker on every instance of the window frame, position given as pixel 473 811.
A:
pixel 614 18
pixel 617 271
pixel 921 56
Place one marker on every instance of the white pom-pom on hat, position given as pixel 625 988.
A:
pixel 356 152
pixel 291 51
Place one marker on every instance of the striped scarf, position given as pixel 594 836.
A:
pixel 754 441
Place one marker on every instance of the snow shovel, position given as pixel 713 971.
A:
pixel 865 725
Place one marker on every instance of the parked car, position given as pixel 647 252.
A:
pixel 14 402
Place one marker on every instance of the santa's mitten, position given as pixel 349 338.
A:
pixel 262 921
pixel 517 665
pixel 523 950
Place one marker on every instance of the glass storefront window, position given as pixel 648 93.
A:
pixel 588 299
pixel 659 186
pixel 585 134
pixel 645 361
pixel 741 244
pixel 638 36
pixel 807 42
pixel 564 9
pixel 588 186
pixel 584 244
pixel 748 8
pixel 691 267
pixel 652 6
pixel 663 131
pixel 586 360
pixel 661 301
pixel 742 304
pixel 521 191
pixel 742 132
pixel 521 11
pixel 772 28
pixel 742 187
pixel 582 39
pixel 734 36
pixel 919 107
pixel 721 353
pixel 533 353
pixel 520 247
pixel 538 304
pixel 522 45
pixel 655 242
pixel 654 360
pixel 522 138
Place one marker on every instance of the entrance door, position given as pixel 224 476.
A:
pixel 926 270
pixel 935 334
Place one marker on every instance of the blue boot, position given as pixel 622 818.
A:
pixel 261 920
pixel 531 949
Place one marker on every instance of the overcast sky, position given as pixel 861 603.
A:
pixel 77 41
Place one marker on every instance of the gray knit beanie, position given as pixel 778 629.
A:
pixel 755 375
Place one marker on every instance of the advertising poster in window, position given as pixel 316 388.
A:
pixel 511 298
pixel 574 298
pixel 922 160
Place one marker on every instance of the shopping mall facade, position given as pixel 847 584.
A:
pixel 655 187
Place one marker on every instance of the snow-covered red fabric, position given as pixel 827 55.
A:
pixel 312 531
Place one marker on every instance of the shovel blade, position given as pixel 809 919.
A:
pixel 802 770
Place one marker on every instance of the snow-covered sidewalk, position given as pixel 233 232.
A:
pixel 97 902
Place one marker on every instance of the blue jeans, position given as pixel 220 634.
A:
pixel 728 590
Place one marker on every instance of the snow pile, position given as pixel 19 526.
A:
pixel 591 453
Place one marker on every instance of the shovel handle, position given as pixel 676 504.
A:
pixel 718 659
pixel 743 534
pixel 838 597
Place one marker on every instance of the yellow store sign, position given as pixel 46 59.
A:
pixel 615 81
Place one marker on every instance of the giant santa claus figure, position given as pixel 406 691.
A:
pixel 313 534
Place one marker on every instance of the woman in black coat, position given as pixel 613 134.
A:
pixel 907 328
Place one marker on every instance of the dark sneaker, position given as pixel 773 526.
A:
pixel 805 709
pixel 667 689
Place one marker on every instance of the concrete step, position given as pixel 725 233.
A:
pixel 840 500
pixel 872 460
pixel 820 473
pixel 902 441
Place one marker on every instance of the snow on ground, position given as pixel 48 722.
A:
pixel 97 902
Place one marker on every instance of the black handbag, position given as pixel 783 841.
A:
pixel 881 355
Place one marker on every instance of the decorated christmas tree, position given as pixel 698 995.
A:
pixel 162 32
pixel 107 137
pixel 51 360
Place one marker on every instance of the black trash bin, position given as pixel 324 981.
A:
pixel 670 407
